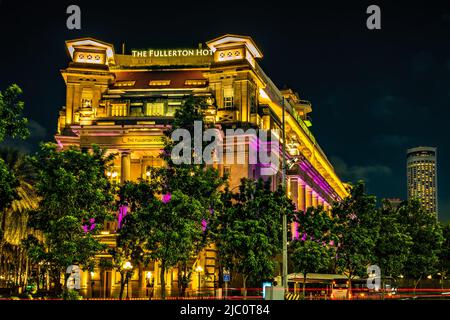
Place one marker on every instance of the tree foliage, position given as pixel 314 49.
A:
pixel 74 191
pixel 12 124
pixel 357 231
pixel 249 231
pixel 426 235
pixel 394 242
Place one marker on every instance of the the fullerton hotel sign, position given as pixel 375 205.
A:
pixel 171 53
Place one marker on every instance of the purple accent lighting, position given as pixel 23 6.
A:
pixel 89 227
pixel 304 237
pixel 123 211
pixel 166 197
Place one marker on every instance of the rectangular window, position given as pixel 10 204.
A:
pixel 195 82
pixel 119 110
pixel 124 83
pixel 159 83
pixel 155 109
pixel 172 106
pixel 136 111
pixel 228 97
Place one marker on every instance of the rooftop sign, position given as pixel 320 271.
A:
pixel 157 53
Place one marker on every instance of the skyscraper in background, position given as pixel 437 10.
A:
pixel 421 167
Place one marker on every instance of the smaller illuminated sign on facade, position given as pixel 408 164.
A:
pixel 171 53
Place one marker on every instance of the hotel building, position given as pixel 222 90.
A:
pixel 421 172
pixel 124 103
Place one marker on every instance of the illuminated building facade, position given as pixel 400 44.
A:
pixel 421 173
pixel 124 103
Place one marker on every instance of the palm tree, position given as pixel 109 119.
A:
pixel 14 219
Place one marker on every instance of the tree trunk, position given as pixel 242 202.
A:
pixel 163 280
pixel 349 290
pixel 122 285
pixel 66 280
pixel 27 270
pixel 244 287
pixel 304 285
pixel 38 275
pixel 58 286
pixel 416 283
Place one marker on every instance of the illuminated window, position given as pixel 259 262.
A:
pixel 154 109
pixel 119 110
pixel 172 107
pixel 195 82
pixel 124 83
pixel 228 97
pixel 159 83
pixel 136 110
pixel 86 103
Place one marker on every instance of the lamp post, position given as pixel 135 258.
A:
pixel 92 283
pixel 148 276
pixel 127 267
pixel 199 270
pixel 285 271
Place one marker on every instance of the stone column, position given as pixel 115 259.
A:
pixel 125 165
pixel 301 195
pixel 308 196
pixel 293 191
pixel 320 202
pixel 314 199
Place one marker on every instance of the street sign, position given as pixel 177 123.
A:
pixel 264 286
pixel 226 276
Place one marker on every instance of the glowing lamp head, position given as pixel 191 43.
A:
pixel 148 275
pixel 199 269
pixel 127 265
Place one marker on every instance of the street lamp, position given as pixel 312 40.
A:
pixel 127 267
pixel 284 235
pixel 199 270
pixel 92 283
pixel 148 276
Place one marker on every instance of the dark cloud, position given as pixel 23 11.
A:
pixel 422 62
pixel 359 172
pixel 37 134
pixel 392 140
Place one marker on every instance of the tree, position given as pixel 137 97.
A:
pixel 196 181
pixel 394 242
pixel 75 200
pixel 249 230
pixel 310 256
pixel 444 254
pixel 357 232
pixel 132 236
pixel 313 250
pixel 426 235
pixel 174 229
pixel 12 124
pixel 14 222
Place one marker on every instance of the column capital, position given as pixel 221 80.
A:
pixel 125 151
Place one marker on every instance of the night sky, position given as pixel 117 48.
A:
pixel 374 93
